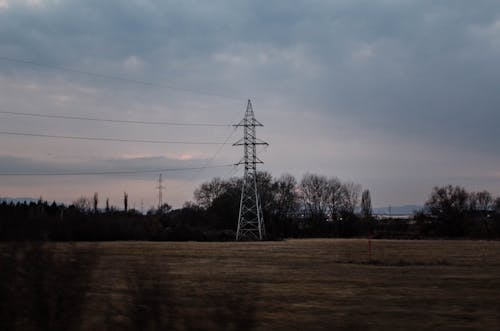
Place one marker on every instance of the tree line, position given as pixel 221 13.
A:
pixel 315 206
pixel 452 211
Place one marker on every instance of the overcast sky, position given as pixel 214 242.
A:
pixel 399 96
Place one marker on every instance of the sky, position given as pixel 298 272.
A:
pixel 398 96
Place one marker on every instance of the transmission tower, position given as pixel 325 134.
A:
pixel 160 188
pixel 250 219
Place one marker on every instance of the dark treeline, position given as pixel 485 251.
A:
pixel 451 211
pixel 316 206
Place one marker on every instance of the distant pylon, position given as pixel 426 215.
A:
pixel 160 188
pixel 250 218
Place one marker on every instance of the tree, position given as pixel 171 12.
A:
pixel 125 201
pixel 447 200
pixel 314 195
pixel 448 205
pixel 473 202
pixel 496 216
pixel 265 190
pixel 485 204
pixel 334 189
pixel 208 192
pixel 96 201
pixel 366 204
pixel 283 208
pixel 163 209
pixel 285 196
pixel 82 204
pixel 225 206
pixel 496 205
pixel 484 201
pixel 349 194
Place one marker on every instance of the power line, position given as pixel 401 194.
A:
pixel 210 160
pixel 231 171
pixel 233 168
pixel 117 78
pixel 95 119
pixel 110 139
pixel 126 172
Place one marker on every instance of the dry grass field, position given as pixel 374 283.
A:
pixel 323 284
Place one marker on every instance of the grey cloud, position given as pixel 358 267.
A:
pixel 425 71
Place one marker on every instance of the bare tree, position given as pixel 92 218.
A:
pixel 484 201
pixel 449 205
pixel 285 195
pixel 472 201
pixel 314 195
pixel 265 188
pixel 208 192
pixel 496 205
pixel 349 197
pixel 82 204
pixel 447 200
pixel 485 204
pixel 334 189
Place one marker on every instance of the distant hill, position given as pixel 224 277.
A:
pixel 397 210
pixel 16 200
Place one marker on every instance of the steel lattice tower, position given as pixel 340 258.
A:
pixel 250 219
pixel 160 188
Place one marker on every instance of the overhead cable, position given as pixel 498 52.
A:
pixel 210 160
pixel 125 172
pixel 95 119
pixel 117 78
pixel 111 139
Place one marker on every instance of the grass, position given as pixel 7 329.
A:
pixel 320 284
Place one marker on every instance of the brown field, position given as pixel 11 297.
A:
pixel 323 284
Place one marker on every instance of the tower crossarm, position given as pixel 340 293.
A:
pixel 242 142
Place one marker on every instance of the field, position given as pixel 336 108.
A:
pixel 321 284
